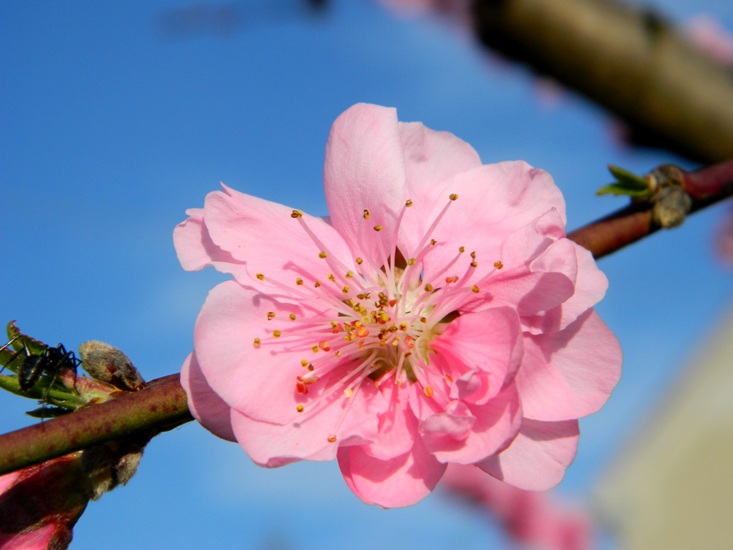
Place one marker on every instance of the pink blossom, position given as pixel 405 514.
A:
pixel 438 316
pixel 532 518
pixel 39 505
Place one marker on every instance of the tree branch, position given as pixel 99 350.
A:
pixel 629 60
pixel 159 407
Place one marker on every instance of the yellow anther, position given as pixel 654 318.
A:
pixel 362 332
pixel 378 228
pixel 322 254
pixel 461 249
pixel 473 255
pixel 270 315
pixel 317 284
pixel 366 214
pixel 332 439
pixel 359 261
pixel 257 343
pixel 296 214
pixel 345 290
pixel 411 261
pixel 292 316
pixel 349 274
pixel 428 287
pixel 498 264
pixel 331 277
pixel 299 281
pixel 433 242
pixel 276 333
pixel 337 353
pixel 408 203
pixel 423 319
pixel 299 408
pixel 428 391
pixel 314 349
pixel 260 276
pixel 474 288
pixel 304 363
pixel 453 196
pixel 474 264
pixel 348 392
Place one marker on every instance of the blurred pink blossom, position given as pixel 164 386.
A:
pixel 532 518
pixel 438 316
pixel 39 505
pixel 711 37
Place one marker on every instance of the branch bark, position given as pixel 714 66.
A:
pixel 629 60
pixel 159 407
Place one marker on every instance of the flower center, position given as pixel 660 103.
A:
pixel 374 323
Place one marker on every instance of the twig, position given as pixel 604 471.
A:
pixel 159 407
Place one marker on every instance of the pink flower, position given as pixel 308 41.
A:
pixel 710 36
pixel 40 504
pixel 532 518
pixel 438 316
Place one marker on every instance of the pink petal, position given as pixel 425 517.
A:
pixel 314 436
pixel 205 405
pixel 517 195
pixel 402 481
pixel 537 458
pixel 265 237
pixel 488 341
pixel 274 445
pixel 590 284
pixel 398 426
pixel 531 293
pixel 571 373
pixel 432 157
pixel 365 170
pixel 496 424
pixel 195 248
pixel 260 382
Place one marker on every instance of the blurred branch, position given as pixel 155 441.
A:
pixel 630 60
pixel 161 405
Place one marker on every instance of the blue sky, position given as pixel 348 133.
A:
pixel 110 128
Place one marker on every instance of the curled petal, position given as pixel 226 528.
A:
pixel 488 341
pixel 196 250
pixel 537 458
pixel 493 425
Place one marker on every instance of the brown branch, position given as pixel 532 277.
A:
pixel 629 60
pixel 623 227
pixel 160 406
